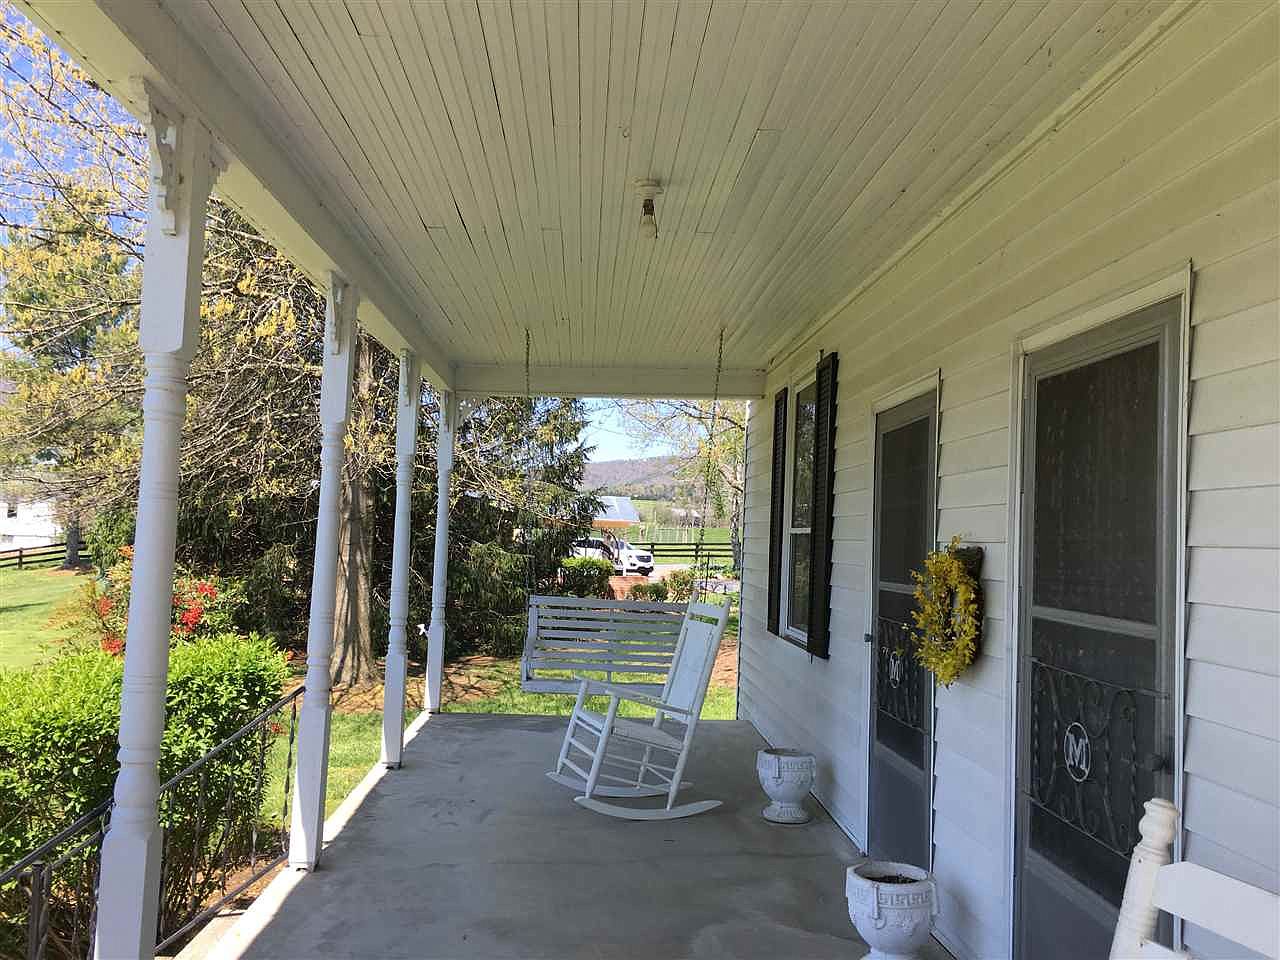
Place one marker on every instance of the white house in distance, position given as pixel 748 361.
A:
pixel 28 523
pixel 1002 271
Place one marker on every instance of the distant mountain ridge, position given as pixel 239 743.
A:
pixel 652 478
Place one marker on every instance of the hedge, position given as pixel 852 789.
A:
pixel 680 584
pixel 655 591
pixel 59 726
pixel 586 577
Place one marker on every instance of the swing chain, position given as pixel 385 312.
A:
pixel 702 560
pixel 525 531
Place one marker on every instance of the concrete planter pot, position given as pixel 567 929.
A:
pixel 894 918
pixel 787 777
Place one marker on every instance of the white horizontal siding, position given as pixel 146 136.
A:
pixel 1235 517
pixel 1234 637
pixel 1173 161
pixel 1236 458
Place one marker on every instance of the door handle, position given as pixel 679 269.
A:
pixel 866 638
pixel 1154 762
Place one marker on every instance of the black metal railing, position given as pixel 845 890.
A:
pixel 48 898
pixel 215 844
pixel 221 835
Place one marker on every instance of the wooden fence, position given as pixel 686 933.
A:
pixel 21 557
pixel 690 552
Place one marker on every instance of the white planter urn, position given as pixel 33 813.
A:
pixel 787 777
pixel 894 917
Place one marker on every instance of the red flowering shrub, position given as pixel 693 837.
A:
pixel 201 607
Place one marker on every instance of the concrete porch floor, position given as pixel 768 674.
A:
pixel 469 851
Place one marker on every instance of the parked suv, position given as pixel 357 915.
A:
pixel 624 557
pixel 635 559
pixel 596 548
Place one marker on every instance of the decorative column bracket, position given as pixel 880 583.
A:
pixel 172 159
pixel 163 135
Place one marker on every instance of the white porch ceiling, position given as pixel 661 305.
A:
pixel 479 154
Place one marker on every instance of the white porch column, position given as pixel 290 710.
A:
pixel 440 569
pixel 397 647
pixel 313 726
pixel 182 174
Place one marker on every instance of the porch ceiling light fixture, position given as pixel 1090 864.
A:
pixel 646 190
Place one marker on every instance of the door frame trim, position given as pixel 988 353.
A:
pixel 1114 306
pixel 930 382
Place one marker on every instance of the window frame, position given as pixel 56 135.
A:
pixel 798 383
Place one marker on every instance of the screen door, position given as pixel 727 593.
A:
pixel 1096 640
pixel 902 692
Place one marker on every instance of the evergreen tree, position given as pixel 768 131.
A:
pixel 72 192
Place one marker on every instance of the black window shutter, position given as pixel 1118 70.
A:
pixel 824 496
pixel 777 489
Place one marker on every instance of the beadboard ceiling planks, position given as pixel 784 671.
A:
pixel 484 152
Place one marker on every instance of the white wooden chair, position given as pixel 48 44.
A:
pixel 1232 909
pixel 628 758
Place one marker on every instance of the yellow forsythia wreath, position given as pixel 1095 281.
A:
pixel 948 612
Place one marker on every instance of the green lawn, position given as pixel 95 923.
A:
pixel 355 743
pixel 27 601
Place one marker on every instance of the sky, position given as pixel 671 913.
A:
pixel 608 434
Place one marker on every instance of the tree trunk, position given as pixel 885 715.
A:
pixel 71 559
pixel 354 664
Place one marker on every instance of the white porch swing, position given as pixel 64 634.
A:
pixel 566 636
pixel 608 755
pixel 625 640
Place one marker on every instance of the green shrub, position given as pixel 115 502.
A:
pixel 679 585
pixel 276 591
pixel 58 729
pixel 110 530
pixel 202 607
pixel 657 591
pixel 722 568
pixel 488 603
pixel 59 726
pixel 586 577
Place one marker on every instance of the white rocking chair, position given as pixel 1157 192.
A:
pixel 614 769
pixel 1244 914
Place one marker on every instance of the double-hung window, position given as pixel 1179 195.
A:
pixel 801 507
pixel 797 571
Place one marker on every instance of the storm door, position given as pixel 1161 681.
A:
pixel 902 691
pixel 1096 641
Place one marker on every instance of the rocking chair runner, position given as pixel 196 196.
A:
pixel 622 761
